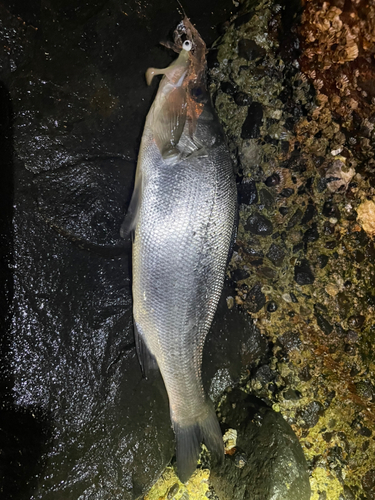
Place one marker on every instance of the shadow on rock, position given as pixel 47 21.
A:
pixel 267 461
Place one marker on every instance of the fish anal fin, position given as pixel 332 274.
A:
pixel 146 359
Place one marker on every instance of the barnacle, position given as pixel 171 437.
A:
pixel 230 440
pixel 342 82
pixel 351 51
pixel 318 83
pixel 338 46
pixel 311 74
pixel 339 175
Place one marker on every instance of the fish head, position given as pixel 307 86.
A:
pixel 186 35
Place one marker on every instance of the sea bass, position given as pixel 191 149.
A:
pixel 183 216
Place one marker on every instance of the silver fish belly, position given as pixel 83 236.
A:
pixel 183 216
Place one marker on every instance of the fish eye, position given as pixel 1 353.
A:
pixel 187 45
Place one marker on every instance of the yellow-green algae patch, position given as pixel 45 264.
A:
pixel 169 487
pixel 322 480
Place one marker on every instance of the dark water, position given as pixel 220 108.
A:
pixel 77 420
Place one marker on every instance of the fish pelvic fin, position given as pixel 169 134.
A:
pixel 190 437
pixel 146 360
pixel 132 215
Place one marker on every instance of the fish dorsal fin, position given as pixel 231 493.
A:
pixel 131 217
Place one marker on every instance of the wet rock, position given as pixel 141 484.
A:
pixel 272 180
pixel 264 374
pixel 227 88
pixel 293 297
pixel 266 198
pixel 290 341
pixel 275 468
pixel 311 234
pixel 295 218
pixel 250 50
pixel 359 256
pixel 322 260
pixel 365 431
pixel 232 344
pixel 292 394
pixel 284 210
pixel 311 413
pixel 303 274
pixel 276 254
pixel 242 99
pixel 239 274
pixel 253 121
pixel 286 192
pixel 309 214
pixel 247 192
pixel 267 272
pixel 324 324
pixel 272 306
pixel 331 210
pixel 321 185
pixel 327 436
pixel 361 238
pixel 259 224
pixel 256 298
pixel 82 334
pixel 331 244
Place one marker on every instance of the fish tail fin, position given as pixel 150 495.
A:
pixel 189 439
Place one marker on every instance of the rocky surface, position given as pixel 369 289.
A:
pixel 306 184
pixel 266 461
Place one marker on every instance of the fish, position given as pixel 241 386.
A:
pixel 182 217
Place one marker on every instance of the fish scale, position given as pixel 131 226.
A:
pixel 184 224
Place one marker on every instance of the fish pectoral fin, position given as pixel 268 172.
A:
pixel 146 359
pixel 131 217
pixel 191 147
pixel 198 153
pixel 170 122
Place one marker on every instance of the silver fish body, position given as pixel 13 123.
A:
pixel 184 223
